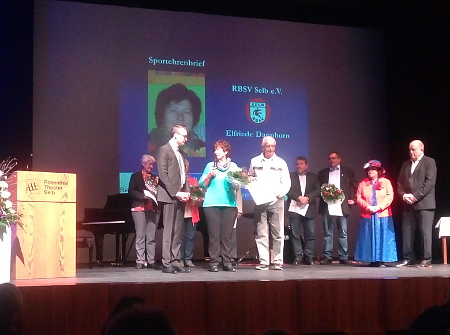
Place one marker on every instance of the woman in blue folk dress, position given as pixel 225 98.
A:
pixel 376 237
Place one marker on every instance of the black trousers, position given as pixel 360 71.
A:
pixel 220 221
pixel 423 219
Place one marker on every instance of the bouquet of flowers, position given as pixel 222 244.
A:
pixel 238 177
pixel 8 216
pixel 151 183
pixel 153 180
pixel 197 193
pixel 331 194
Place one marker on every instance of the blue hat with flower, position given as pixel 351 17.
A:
pixel 374 164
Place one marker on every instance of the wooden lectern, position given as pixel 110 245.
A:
pixel 45 246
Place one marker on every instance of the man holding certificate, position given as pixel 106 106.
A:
pixel 173 194
pixel 343 178
pixel 270 183
pixel 302 199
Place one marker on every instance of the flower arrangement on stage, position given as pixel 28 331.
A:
pixel 152 180
pixel 331 194
pixel 8 216
pixel 238 177
pixel 196 193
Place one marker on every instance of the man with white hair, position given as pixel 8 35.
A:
pixel 416 187
pixel 272 174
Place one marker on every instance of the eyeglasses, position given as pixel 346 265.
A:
pixel 185 136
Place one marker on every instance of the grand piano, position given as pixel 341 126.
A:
pixel 114 218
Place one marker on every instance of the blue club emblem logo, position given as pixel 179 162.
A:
pixel 258 111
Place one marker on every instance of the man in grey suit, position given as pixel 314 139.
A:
pixel 416 187
pixel 172 188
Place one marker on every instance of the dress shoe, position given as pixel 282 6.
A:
pixel 139 266
pixel 426 263
pixel 326 261
pixel 309 261
pixel 406 262
pixel 345 262
pixel 189 264
pixel 213 268
pixel 169 269
pixel 229 267
pixel 152 266
pixel 179 269
pixel 297 261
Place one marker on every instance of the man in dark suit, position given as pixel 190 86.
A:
pixel 416 187
pixel 173 193
pixel 302 207
pixel 344 178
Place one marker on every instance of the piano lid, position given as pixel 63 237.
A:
pixel 117 207
pixel 118 201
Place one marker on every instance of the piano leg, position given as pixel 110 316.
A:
pixel 203 229
pixel 99 247
pixel 118 261
pixel 121 249
pixel 124 249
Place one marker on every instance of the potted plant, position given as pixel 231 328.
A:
pixel 8 218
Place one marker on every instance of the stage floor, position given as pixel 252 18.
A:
pixel 319 299
pixel 245 271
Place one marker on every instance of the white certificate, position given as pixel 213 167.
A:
pixel 335 209
pixel 260 193
pixel 298 208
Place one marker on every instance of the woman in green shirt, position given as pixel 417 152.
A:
pixel 220 205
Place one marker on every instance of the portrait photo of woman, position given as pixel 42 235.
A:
pixel 178 105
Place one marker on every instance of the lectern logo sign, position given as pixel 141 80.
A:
pixel 33 186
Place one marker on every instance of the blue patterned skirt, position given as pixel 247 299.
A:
pixel 376 240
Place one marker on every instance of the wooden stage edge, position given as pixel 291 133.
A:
pixel 300 300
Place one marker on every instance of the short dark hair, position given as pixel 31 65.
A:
pixel 177 93
pixel 175 130
pixel 302 158
pixel 11 309
pixel 334 152
pixel 140 320
pixel 224 145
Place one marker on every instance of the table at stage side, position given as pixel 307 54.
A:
pixel 444 230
